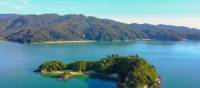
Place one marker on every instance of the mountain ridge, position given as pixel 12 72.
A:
pixel 54 27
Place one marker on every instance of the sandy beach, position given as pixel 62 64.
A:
pixel 72 72
pixel 60 42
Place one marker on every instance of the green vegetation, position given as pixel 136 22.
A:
pixel 50 74
pixel 53 27
pixel 78 66
pixel 141 74
pixel 65 75
pixel 52 66
pixel 132 71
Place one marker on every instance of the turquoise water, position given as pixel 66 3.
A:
pixel 177 62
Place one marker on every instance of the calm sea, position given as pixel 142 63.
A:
pixel 178 63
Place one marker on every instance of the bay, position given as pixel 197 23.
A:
pixel 176 62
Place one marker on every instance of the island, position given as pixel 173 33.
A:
pixel 128 71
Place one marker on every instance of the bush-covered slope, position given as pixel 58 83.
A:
pixel 132 71
pixel 50 27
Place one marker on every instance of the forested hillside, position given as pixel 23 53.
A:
pixel 54 27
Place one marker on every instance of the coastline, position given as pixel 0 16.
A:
pixel 90 41
pixel 81 75
pixel 60 72
pixel 57 74
pixel 60 42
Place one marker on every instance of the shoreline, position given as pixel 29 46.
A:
pixel 60 42
pixel 60 72
pixel 77 74
pixel 93 41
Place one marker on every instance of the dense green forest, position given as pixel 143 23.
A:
pixel 133 71
pixel 54 27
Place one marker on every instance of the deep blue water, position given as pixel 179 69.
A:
pixel 177 62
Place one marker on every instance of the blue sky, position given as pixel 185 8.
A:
pixel 175 12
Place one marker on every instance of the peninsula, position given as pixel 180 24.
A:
pixel 129 71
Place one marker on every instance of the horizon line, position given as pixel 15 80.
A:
pixel 112 19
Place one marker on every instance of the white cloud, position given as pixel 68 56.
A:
pixel 17 5
pixel 10 5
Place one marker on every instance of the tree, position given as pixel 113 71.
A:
pixel 141 74
pixel 52 66
pixel 79 66
pixel 65 75
pixel 133 71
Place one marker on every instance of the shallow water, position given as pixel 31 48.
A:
pixel 177 62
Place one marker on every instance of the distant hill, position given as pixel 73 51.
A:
pixel 52 27
pixel 4 16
